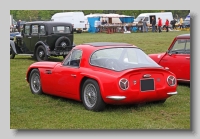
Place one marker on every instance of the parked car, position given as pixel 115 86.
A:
pixel 186 23
pixel 103 73
pixel 177 58
pixel 42 39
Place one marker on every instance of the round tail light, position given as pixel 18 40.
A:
pixel 171 80
pixel 123 84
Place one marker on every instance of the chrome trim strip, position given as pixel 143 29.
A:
pixel 172 93
pixel 183 80
pixel 116 97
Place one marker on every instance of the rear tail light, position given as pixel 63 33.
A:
pixel 171 80
pixel 123 84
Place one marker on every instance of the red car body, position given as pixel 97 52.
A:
pixel 177 58
pixel 106 73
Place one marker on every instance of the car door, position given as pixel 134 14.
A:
pixel 68 76
pixel 34 36
pixel 42 33
pixel 27 37
pixel 178 59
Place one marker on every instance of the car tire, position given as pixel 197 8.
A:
pixel 35 82
pixel 63 41
pixel 12 53
pixel 41 54
pixel 91 96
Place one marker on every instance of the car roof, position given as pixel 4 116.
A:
pixel 183 36
pixel 100 44
pixel 49 22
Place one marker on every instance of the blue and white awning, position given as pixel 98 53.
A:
pixel 187 17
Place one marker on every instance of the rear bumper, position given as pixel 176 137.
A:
pixel 172 93
pixel 118 98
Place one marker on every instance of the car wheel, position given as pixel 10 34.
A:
pixel 35 82
pixel 91 96
pixel 12 53
pixel 41 54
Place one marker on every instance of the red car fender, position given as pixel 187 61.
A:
pixel 157 57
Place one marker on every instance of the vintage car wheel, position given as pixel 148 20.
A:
pixel 34 82
pixel 12 53
pixel 91 96
pixel 63 42
pixel 41 54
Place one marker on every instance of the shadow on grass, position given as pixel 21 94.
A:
pixel 109 107
pixel 184 84
pixel 50 59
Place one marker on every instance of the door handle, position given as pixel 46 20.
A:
pixel 48 71
pixel 187 58
pixel 73 75
pixel 29 37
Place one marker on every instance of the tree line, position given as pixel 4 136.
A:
pixel 45 15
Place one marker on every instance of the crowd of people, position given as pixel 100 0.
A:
pixel 158 27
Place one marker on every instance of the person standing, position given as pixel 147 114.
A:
pixel 18 25
pixel 173 23
pixel 181 23
pixel 140 25
pixel 153 24
pixel 159 24
pixel 167 25
pixel 145 29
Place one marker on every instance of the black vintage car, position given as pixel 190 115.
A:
pixel 42 39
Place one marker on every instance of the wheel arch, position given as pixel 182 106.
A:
pixel 83 81
pixel 29 72
pixel 44 45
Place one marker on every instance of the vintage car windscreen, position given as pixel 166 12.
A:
pixel 121 58
pixel 181 46
pixel 61 29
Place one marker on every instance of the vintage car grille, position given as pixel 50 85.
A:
pixel 147 85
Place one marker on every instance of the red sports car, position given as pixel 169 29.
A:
pixel 103 73
pixel 177 58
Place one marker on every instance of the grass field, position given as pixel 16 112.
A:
pixel 28 111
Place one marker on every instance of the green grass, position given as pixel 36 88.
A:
pixel 28 111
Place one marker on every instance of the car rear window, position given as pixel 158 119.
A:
pixel 123 58
pixel 61 29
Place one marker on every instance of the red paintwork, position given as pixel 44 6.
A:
pixel 179 64
pixel 61 83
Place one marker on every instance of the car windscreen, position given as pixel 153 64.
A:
pixel 121 58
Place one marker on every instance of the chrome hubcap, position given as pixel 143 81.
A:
pixel 90 95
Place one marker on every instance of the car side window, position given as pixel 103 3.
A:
pixel 34 30
pixel 179 46
pixel 73 59
pixel 42 30
pixel 146 19
pixel 27 30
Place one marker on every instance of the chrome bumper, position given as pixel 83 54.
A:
pixel 116 97
pixel 172 93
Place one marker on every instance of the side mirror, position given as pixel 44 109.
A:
pixel 169 53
